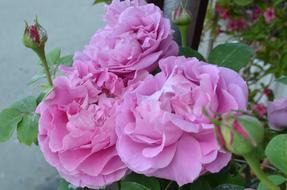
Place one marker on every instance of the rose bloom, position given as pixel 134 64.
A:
pixel 277 112
pixel 77 126
pixel 136 37
pixel 162 130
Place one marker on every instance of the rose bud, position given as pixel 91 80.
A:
pixel 269 94
pixel 260 110
pixel 35 36
pixel 239 134
pixel 181 16
pixel 277 114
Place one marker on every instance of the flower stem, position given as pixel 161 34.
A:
pixel 184 34
pixel 42 56
pixel 254 164
pixel 168 185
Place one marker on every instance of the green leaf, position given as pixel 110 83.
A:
pixel 27 130
pixel 189 52
pixel 53 56
pixel 66 60
pixel 149 182
pixel 243 2
pixel 9 119
pixel 26 105
pixel 282 80
pixel 232 55
pixel 229 187
pixel 63 185
pixel 276 179
pixel 276 152
pixel 36 78
pixel 200 184
pixel 127 185
pixel 40 97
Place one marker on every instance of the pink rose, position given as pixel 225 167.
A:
pixel 269 15
pixel 77 127
pixel 162 130
pixel 136 37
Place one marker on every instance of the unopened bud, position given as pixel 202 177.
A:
pixel 181 16
pixel 35 36
pixel 239 134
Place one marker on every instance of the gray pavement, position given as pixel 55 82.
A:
pixel 70 24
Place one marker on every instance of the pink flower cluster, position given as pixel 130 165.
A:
pixel 235 25
pixel 251 15
pixel 107 115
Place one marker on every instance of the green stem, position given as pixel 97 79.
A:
pixel 255 166
pixel 184 34
pixel 168 185
pixel 42 56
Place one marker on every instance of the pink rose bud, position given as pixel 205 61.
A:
pixel 260 110
pixel 269 94
pixel 239 134
pixel 277 112
pixel 35 36
pixel 181 16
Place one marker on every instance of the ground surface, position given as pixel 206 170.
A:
pixel 70 24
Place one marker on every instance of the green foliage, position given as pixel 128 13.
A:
pixel 27 130
pixel 53 56
pixel 243 2
pixel 102 1
pixel 282 80
pixel 232 55
pixel 66 60
pixel 229 187
pixel 63 185
pixel 26 105
pixel 189 52
pixel 149 182
pixel 276 179
pixel 276 152
pixel 9 119
pixel 127 185
pixel 54 60
pixel 200 183
pixel 20 115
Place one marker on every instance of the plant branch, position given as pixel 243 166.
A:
pixel 255 166
pixel 44 62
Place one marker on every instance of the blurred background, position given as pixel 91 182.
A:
pixel 70 24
